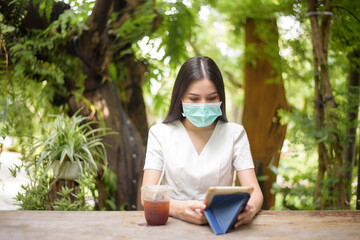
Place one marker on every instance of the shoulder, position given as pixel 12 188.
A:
pixel 232 127
pixel 232 131
pixel 164 128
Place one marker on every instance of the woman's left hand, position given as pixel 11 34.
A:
pixel 246 216
pixel 247 177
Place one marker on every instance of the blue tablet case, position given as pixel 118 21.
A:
pixel 224 209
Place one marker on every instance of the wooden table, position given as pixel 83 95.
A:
pixel 56 225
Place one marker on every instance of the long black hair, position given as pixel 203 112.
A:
pixel 193 69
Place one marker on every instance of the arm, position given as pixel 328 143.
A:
pixel 184 210
pixel 151 177
pixel 248 178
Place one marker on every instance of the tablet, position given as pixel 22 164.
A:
pixel 225 190
pixel 223 204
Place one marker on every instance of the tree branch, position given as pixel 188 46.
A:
pixel 319 50
pixel 100 15
pixel 232 79
pixel 347 10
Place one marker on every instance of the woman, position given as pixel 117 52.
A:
pixel 197 147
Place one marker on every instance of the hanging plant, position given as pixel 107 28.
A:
pixel 72 141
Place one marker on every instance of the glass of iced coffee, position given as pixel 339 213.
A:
pixel 156 204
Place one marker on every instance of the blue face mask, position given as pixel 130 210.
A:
pixel 201 114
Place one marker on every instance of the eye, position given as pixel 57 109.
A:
pixel 212 98
pixel 194 99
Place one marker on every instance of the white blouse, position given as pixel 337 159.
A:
pixel 187 172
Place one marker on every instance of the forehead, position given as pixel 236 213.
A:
pixel 201 86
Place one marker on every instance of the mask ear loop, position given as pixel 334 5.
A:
pixel 182 108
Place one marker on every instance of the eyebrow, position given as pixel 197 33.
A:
pixel 194 94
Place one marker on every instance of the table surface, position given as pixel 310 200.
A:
pixel 132 225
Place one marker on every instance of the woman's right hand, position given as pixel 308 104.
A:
pixel 191 211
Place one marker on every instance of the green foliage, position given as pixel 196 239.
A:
pixel 66 204
pixel 296 188
pixel 30 65
pixel 35 196
pixel 345 26
pixel 136 27
pixel 157 91
pixel 23 111
pixel 71 139
pixel 17 12
pixel 299 84
pixel 15 170
pixel 45 7
pixel 238 11
pixel 110 190
pixel 82 9
pixel 68 24
pixel 3 80
pixel 41 58
pixel 177 29
pixel 38 70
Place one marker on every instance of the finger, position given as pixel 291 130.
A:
pixel 202 206
pixel 243 221
pixel 198 205
pixel 238 223
pixel 241 216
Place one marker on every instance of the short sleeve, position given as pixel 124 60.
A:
pixel 154 155
pixel 242 155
